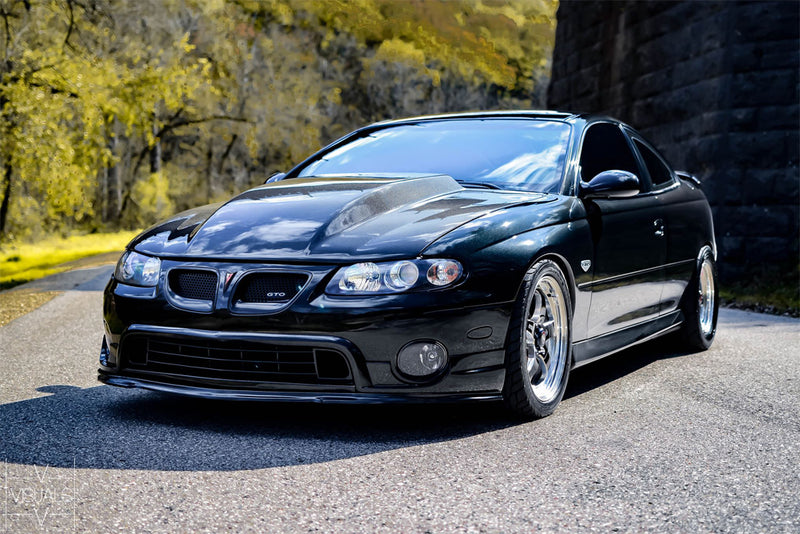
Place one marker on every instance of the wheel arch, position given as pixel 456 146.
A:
pixel 563 264
pixel 711 245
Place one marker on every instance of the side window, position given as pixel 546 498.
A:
pixel 605 148
pixel 660 174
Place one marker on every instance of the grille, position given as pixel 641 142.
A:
pixel 197 285
pixel 270 287
pixel 236 360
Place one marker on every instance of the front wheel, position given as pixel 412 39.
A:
pixel 539 344
pixel 701 304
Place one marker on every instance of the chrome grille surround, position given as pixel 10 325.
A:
pixel 194 284
pixel 267 287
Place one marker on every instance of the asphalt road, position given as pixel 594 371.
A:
pixel 646 440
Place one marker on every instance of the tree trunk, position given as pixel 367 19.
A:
pixel 155 151
pixel 104 195
pixel 117 174
pixel 155 157
pixel 7 173
pixel 209 169
pixel 116 179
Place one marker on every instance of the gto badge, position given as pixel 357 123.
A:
pixel 585 264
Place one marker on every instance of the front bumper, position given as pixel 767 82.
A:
pixel 367 338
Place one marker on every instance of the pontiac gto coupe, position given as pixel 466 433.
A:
pixel 469 256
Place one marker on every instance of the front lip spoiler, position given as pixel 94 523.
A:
pixel 292 396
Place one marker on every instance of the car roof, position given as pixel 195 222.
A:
pixel 528 114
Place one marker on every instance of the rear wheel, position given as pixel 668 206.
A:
pixel 538 354
pixel 701 304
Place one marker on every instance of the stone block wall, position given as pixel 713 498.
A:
pixel 716 87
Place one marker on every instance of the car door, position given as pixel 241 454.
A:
pixel 628 237
pixel 680 224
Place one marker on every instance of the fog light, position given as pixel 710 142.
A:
pixel 104 352
pixel 421 358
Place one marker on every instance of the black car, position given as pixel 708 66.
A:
pixel 470 256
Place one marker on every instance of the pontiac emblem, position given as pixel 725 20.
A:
pixel 228 278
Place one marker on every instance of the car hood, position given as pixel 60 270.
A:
pixel 326 219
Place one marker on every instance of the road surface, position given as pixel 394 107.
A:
pixel 646 440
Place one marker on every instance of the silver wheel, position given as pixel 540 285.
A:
pixel 546 340
pixel 539 343
pixel 705 304
pixel 700 304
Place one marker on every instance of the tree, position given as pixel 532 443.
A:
pixel 70 89
pixel 117 112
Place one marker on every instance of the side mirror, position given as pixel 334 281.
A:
pixel 275 177
pixel 611 184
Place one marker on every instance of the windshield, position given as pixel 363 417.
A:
pixel 518 154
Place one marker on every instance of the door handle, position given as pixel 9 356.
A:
pixel 659 227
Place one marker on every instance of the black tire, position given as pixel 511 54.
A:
pixel 539 343
pixel 700 315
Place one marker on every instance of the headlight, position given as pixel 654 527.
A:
pixel 137 269
pixel 402 275
pixel 444 272
pixel 368 278
pixel 361 278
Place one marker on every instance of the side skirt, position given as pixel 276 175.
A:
pixel 589 350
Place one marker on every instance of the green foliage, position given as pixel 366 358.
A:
pixel 114 113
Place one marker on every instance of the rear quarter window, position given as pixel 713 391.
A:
pixel 660 175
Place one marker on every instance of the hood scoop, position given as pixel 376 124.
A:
pixel 385 198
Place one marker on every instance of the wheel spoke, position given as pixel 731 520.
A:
pixel 541 370
pixel 537 307
pixel 532 365
pixel 530 342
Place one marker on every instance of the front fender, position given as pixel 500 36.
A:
pixel 498 268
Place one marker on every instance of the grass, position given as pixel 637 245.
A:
pixel 774 291
pixel 25 262
pixel 777 300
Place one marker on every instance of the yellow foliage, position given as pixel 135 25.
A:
pixel 222 92
pixel 399 50
pixel 61 102
pixel 23 262
pixel 479 40
pixel 152 198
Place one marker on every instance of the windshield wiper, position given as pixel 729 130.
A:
pixel 484 185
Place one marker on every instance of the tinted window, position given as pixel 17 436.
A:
pixel 659 173
pixel 520 154
pixel 606 148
